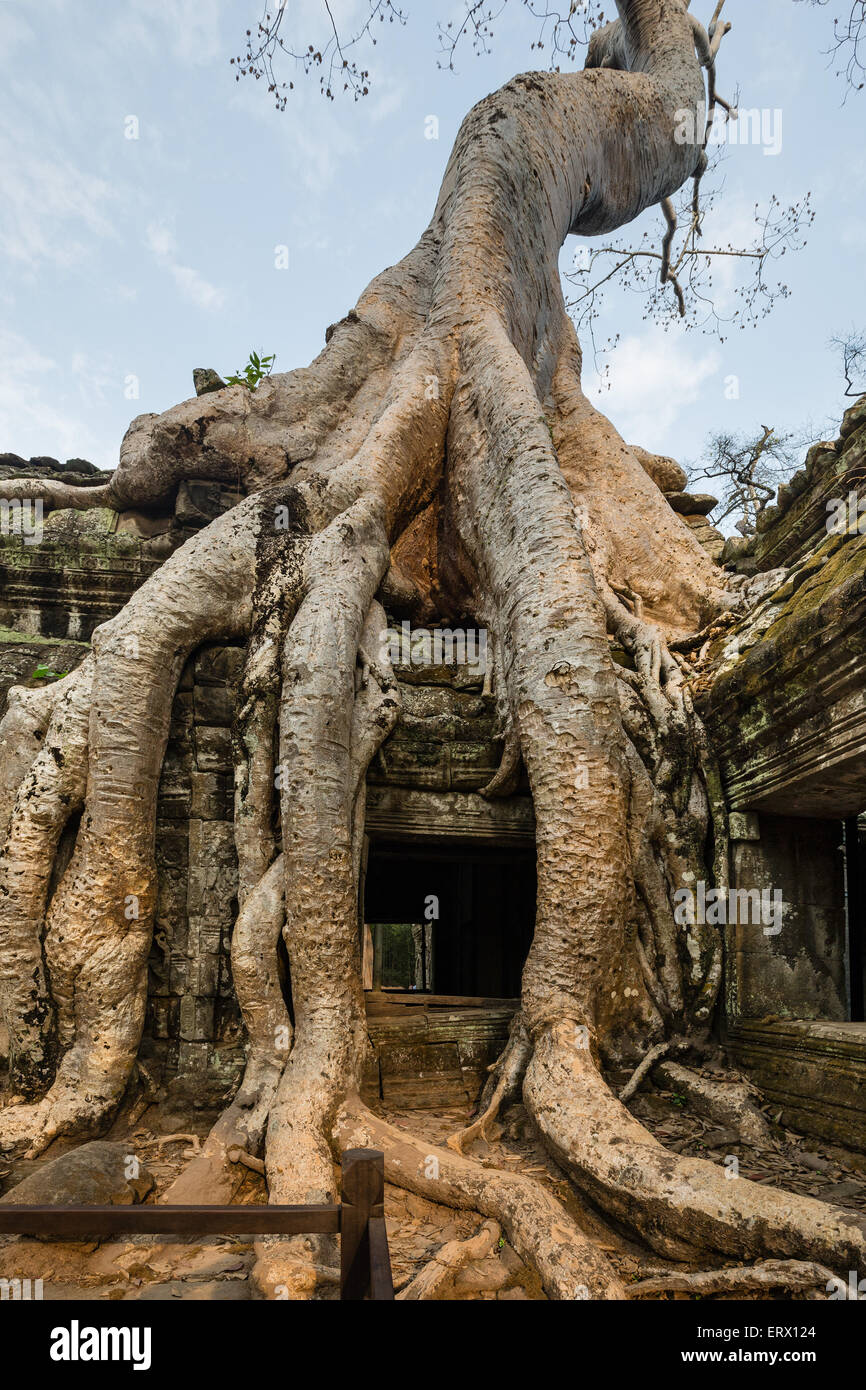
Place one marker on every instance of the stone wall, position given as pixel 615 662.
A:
pixel 815 1072
pixel 69 584
pixel 791 528
pixel 797 970
pixel 193 1029
pixel 784 699
pixel 424 785
pixel 23 658
pixel 86 565
pixel 53 594
pixel 445 738
pixel 785 702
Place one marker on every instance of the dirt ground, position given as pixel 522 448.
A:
pixel 145 1268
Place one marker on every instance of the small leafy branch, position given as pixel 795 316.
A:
pixel 256 369
pixel 45 673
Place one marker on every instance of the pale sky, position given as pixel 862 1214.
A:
pixel 126 262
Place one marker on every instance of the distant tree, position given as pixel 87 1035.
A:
pixel 746 469
pixel 852 348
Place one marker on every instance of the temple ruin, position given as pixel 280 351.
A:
pixel 448 879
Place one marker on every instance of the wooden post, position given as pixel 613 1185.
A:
pixel 378 952
pixel 362 1198
pixel 855 902
pixel 360 1220
pixel 365 933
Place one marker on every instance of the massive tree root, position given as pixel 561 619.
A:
pixel 439 457
pixel 538 1227
pixel 99 923
pixel 52 791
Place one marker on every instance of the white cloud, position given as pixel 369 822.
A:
pixel 312 135
pixel 310 15
pixel 31 422
pixel 46 205
pixel 160 241
pixel 95 379
pixel 654 378
pixel 387 95
pixel 196 289
pixel 14 30
pixel 783 66
pixel 190 28
pixel 17 355
pixel 193 286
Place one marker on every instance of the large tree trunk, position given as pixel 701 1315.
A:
pixel 440 455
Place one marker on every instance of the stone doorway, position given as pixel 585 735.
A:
pixel 795 987
pixel 455 920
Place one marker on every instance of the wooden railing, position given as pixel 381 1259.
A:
pixel 358 1218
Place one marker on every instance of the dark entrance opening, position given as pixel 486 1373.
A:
pixel 453 920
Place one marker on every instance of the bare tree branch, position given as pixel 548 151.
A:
pixel 560 32
pixel 681 265
pixel 338 69
pixel 849 43
pixel 688 267
pixel 853 350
